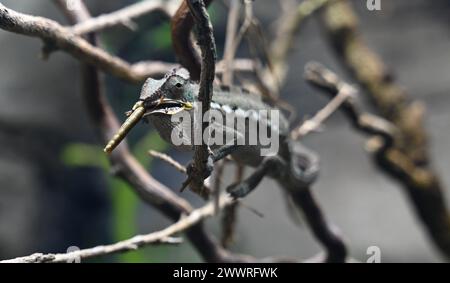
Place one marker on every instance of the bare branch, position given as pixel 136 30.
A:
pixel 56 36
pixel 248 5
pixel 122 246
pixel 289 26
pixel 163 236
pixel 230 49
pixel 320 77
pixel 239 64
pixel 315 122
pixel 409 163
pixel 208 49
pixel 169 160
pixel 125 15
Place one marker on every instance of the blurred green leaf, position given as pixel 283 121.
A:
pixel 160 37
pixel 81 154
pixel 149 141
pixel 126 202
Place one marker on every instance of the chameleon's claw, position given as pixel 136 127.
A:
pixel 190 172
pixel 185 184
pixel 208 170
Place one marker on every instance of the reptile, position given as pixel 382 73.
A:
pixel 293 166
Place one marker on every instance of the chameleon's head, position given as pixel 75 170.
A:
pixel 167 96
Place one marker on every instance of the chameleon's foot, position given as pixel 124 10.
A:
pixel 191 170
pixel 192 173
pixel 238 190
pixel 213 157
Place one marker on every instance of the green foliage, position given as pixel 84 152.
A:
pixel 125 204
pixel 82 155
pixel 160 38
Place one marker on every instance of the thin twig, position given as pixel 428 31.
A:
pixel 317 121
pixel 77 255
pixel 230 49
pixel 163 236
pixel 239 64
pixel 234 45
pixel 168 159
pixel 125 15
pixel 288 28
pixel 321 77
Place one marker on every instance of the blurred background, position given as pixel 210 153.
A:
pixel 55 191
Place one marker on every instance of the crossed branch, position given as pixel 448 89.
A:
pixel 392 154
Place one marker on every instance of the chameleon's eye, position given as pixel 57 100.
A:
pixel 178 85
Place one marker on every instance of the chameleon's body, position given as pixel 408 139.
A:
pixel 293 166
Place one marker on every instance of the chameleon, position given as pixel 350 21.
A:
pixel 293 165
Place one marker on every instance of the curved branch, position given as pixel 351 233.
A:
pixel 56 36
pixel 416 175
pixel 162 237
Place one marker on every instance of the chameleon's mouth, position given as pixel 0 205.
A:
pixel 140 110
pixel 167 106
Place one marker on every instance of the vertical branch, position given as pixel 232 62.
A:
pixel 207 44
pixel 230 48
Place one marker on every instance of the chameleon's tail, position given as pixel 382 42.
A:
pixel 304 169
pixel 304 165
